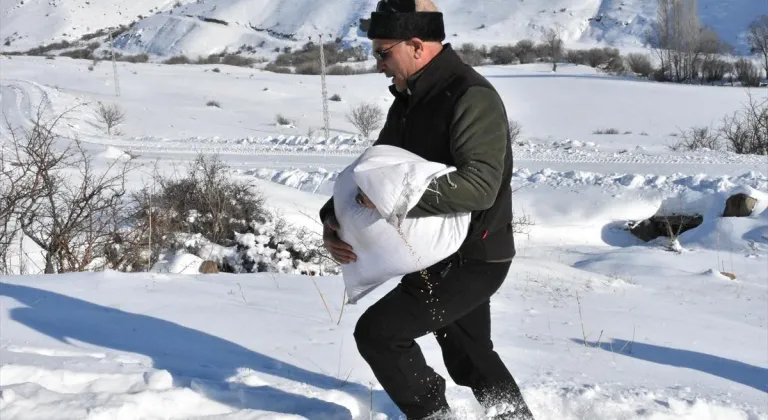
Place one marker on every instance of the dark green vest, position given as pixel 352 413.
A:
pixel 420 122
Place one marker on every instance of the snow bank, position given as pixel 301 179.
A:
pixel 178 264
pixel 735 234
pixel 320 180
pixel 114 153
pixel 156 346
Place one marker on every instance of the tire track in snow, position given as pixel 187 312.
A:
pixel 266 146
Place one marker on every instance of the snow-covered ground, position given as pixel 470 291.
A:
pixel 592 322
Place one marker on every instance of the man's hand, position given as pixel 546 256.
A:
pixel 340 250
pixel 363 200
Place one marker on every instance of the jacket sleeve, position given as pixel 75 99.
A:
pixel 478 141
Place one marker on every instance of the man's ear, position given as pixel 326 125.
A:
pixel 418 47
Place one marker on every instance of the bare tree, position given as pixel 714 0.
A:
pixel 714 69
pixel 746 132
pixel 757 36
pixel 110 115
pixel 640 64
pixel 18 186
pixel 553 44
pixel 676 36
pixel 75 209
pixel 659 34
pixel 698 138
pixel 747 72
pixel 514 130
pixel 524 50
pixel 366 117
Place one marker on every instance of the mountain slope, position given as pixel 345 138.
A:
pixel 29 23
pixel 206 26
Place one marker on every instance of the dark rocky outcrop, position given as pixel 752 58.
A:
pixel 669 226
pixel 739 205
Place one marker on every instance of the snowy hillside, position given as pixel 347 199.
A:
pixel 593 322
pixel 209 26
pixel 29 23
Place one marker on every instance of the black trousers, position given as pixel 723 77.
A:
pixel 452 301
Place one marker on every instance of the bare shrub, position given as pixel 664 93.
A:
pixel 714 70
pixel 514 130
pixel 607 58
pixel 472 55
pixel 110 116
pixel 237 60
pixel 747 73
pixel 525 51
pixel 522 224
pixel 282 120
pixel 346 70
pixel 698 138
pixel 204 200
pixel 335 98
pixel 502 55
pixel 340 70
pixel 640 64
pixel 366 117
pixel 310 53
pixel 210 59
pixel 73 210
pixel 615 65
pixel 597 57
pixel 746 131
pixel 43 49
pixel 138 58
pixel 208 200
pixel 179 59
pixel 213 103
pixel 309 68
pixel 610 131
pixel 80 54
pixel 577 57
pixel 274 68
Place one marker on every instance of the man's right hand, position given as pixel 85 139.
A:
pixel 340 250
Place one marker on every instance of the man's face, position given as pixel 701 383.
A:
pixel 397 61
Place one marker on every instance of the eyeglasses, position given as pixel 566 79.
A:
pixel 382 55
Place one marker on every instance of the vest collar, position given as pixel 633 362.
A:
pixel 429 76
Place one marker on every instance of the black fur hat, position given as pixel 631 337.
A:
pixel 398 19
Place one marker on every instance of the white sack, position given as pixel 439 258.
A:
pixel 394 179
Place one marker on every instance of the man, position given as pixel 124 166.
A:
pixel 446 112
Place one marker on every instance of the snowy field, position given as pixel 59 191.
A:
pixel 592 322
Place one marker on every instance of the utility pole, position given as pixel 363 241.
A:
pixel 114 63
pixel 325 90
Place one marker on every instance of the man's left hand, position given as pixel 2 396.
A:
pixel 363 200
